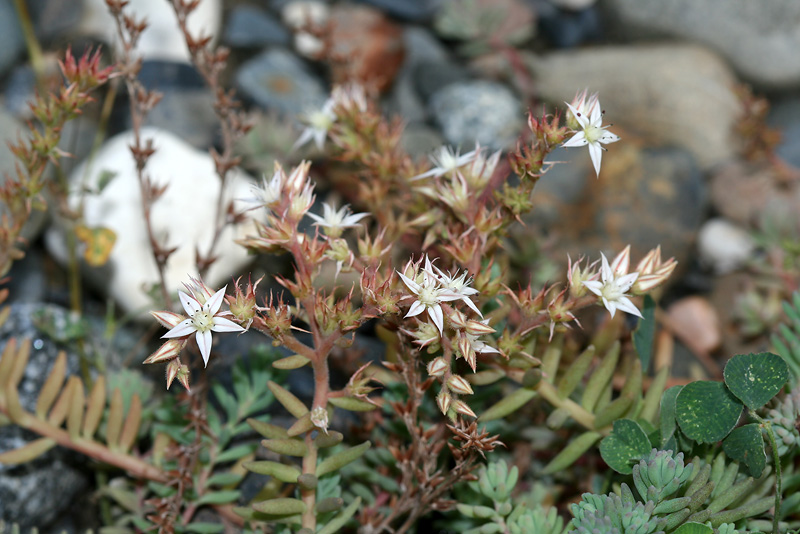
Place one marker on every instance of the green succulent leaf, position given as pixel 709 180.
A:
pixel 746 444
pixel 694 528
pixel 707 411
pixel 627 443
pixel 205 528
pixel 756 378
pixel 219 497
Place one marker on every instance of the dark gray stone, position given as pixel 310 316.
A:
pixel 431 77
pixel 566 29
pixel 785 114
pixel 54 18
pixel 19 90
pixel 11 43
pixel 279 81
pixel 407 10
pixel 486 112
pixel 250 27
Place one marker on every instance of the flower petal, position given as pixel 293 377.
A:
pixel 189 303
pixel 412 285
pixel 594 286
pixel 468 302
pixel 579 139
pixel 415 309
pixel 436 315
pixel 213 304
pixel 608 137
pixel 596 153
pixel 184 328
pixel 625 304
pixel 204 344
pixel 222 324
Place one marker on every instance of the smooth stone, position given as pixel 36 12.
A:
pixel 372 44
pixel 566 26
pixel 251 27
pixel 723 246
pixel 420 140
pixel 784 114
pixel 478 111
pixel 163 38
pixel 419 11
pixel 19 91
pixel 681 95
pixel 644 197
pixel 755 193
pixel 759 39
pixel 696 323
pixel 431 77
pixel 279 81
pixel 54 18
pixel 11 41
pixel 184 214
pixel 404 99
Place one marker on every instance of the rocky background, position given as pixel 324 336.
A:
pixel 704 168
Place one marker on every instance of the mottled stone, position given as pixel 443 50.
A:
pixel 643 198
pixel 279 81
pixel 250 27
pixel 370 44
pixel 723 246
pixel 11 42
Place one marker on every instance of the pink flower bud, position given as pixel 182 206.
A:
pixel 459 385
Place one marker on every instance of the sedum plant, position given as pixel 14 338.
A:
pixel 470 350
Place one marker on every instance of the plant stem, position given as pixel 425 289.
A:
pixel 776 459
pixel 31 42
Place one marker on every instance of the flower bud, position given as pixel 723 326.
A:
pixel 168 319
pixel 176 369
pixel 437 367
pixel 168 350
pixel 243 302
pixel 443 400
pixel 462 408
pixel 319 416
pixel 459 385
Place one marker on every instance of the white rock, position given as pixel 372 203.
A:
pixel 723 246
pixel 182 217
pixel 300 15
pixel 162 39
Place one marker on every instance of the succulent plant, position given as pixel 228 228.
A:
pixel 661 475
pixel 784 416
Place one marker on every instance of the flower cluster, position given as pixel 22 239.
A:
pixel 320 121
pixel 616 285
pixel 433 289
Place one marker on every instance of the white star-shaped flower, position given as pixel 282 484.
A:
pixel 458 285
pixel 612 286
pixel 446 162
pixel 592 133
pixel 203 319
pixel 337 220
pixel 319 122
pixel 429 294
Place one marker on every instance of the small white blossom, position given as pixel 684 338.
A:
pixel 615 283
pixel 592 132
pixel 429 294
pixel 458 285
pixel 319 122
pixel 203 319
pixel 446 162
pixel 337 220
